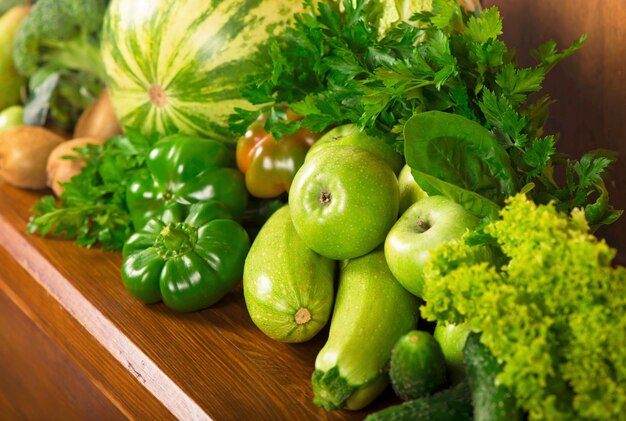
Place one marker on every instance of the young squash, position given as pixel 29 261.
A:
pixel 372 311
pixel 288 288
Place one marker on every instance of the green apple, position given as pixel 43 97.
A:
pixel 452 339
pixel 426 224
pixel 410 191
pixel 11 117
pixel 350 135
pixel 343 201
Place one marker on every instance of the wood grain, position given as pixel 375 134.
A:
pixel 214 363
pixel 590 86
pixel 37 377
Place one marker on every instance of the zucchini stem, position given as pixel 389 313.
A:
pixel 303 316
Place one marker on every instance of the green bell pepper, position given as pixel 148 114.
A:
pixel 189 264
pixel 182 170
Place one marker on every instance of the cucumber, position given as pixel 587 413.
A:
pixel 492 402
pixel 372 311
pixel 454 404
pixel 288 288
pixel 417 367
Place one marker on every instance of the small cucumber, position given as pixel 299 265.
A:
pixel 288 288
pixel 492 402
pixel 454 404
pixel 417 366
pixel 372 311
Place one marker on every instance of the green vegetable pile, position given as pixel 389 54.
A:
pixel 333 67
pixel 551 310
pixel 487 227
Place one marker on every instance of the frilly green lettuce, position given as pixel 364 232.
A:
pixel 401 10
pixel 553 311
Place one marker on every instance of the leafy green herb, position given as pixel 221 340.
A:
pixel 460 152
pixel 335 65
pixel 92 208
pixel 551 309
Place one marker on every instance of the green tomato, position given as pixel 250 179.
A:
pixel 410 191
pixel 452 339
pixel 343 201
pixel 350 135
pixel 425 225
pixel 11 117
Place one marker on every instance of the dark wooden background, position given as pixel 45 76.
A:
pixel 590 86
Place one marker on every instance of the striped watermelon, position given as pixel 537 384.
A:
pixel 176 65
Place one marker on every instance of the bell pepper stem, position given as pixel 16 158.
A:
pixel 176 239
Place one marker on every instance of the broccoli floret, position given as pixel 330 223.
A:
pixel 553 313
pixel 57 47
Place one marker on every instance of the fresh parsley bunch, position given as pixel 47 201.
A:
pixel 92 208
pixel 333 66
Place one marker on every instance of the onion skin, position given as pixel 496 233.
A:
pixel 98 120
pixel 24 153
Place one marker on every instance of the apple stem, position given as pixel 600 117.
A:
pixel 324 197
pixel 423 224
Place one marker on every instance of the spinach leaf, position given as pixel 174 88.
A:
pixel 460 153
pixel 474 203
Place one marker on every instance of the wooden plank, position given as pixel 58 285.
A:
pixel 37 377
pixel 217 358
pixel 116 381
pixel 590 86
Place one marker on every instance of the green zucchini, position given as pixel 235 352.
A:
pixel 417 367
pixel 288 288
pixel 492 402
pixel 454 404
pixel 372 311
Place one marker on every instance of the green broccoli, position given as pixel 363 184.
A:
pixel 554 312
pixel 57 48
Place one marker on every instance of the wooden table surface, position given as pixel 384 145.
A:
pixel 92 348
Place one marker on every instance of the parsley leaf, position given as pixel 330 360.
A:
pixel 92 208
pixel 444 13
pixel 548 55
pixel 499 113
pixel 516 84
pixel 485 27
pixel 539 154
